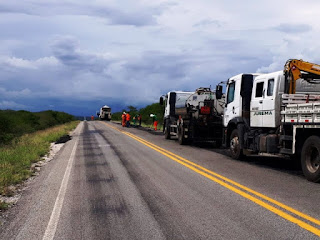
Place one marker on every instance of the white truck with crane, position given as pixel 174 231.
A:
pixel 276 113
pixel 105 113
pixel 193 116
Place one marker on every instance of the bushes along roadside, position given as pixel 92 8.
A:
pixel 16 158
pixel 16 123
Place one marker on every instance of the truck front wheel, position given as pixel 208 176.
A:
pixel 310 159
pixel 235 151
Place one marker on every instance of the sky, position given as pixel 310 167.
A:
pixel 76 56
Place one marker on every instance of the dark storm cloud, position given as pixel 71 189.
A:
pixel 66 50
pixel 73 75
pixel 172 66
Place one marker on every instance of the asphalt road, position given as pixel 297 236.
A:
pixel 110 182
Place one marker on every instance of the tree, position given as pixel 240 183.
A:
pixel 154 108
pixel 133 110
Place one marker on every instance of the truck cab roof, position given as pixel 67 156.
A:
pixel 241 74
pixel 178 92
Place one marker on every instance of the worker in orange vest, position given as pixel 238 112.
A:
pixel 92 117
pixel 155 122
pixel 128 119
pixel 123 119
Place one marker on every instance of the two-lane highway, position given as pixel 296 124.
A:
pixel 110 182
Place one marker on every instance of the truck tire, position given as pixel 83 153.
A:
pixel 235 151
pixel 181 139
pixel 310 159
pixel 167 130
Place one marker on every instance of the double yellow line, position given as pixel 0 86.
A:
pixel 284 211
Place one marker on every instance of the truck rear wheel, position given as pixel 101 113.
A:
pixel 310 159
pixel 167 130
pixel 235 151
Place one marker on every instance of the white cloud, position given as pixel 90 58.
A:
pixel 18 63
pixel 46 62
pixel 11 105
pixel 14 94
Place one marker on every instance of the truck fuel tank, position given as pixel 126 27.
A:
pixel 269 143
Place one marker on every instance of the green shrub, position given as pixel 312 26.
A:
pixel 16 158
pixel 16 123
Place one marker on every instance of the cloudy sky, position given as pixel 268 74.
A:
pixel 76 56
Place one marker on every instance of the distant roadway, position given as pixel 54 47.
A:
pixel 111 182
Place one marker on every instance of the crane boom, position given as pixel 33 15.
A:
pixel 293 71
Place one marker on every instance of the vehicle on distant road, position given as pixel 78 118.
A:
pixel 105 113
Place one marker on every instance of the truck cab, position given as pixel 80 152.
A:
pixel 105 113
pixel 237 106
pixel 252 112
pixel 173 101
pixel 174 105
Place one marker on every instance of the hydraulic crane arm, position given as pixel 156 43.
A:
pixel 293 71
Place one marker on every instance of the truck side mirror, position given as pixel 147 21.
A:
pixel 218 92
pixel 161 101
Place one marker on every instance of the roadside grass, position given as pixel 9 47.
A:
pixel 3 205
pixel 17 157
pixel 159 127
pixel 14 124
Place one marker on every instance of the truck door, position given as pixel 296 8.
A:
pixel 232 108
pixel 167 106
pixel 268 115
pixel 256 108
